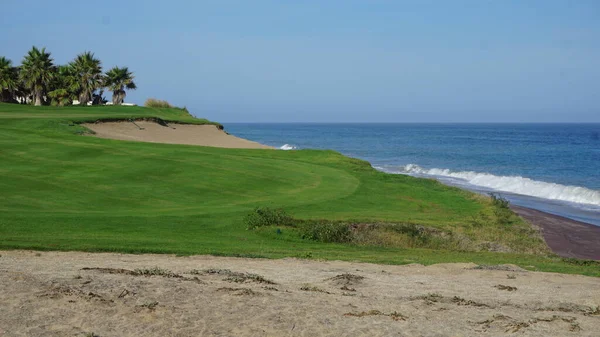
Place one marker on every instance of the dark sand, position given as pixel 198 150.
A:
pixel 566 237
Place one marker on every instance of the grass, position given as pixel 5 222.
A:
pixel 64 191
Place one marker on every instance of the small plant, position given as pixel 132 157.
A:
pixel 308 287
pixel 156 103
pixel 149 305
pixel 265 216
pixel 347 279
pixel 236 277
pixel 396 316
pixel 155 271
pixel 503 287
pixel 499 201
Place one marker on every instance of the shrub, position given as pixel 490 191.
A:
pixel 156 103
pixel 265 216
pixel 326 232
pixel 499 201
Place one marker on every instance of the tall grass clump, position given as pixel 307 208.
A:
pixel 156 103
pixel 326 231
pixel 266 216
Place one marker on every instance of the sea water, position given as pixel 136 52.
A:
pixel 551 167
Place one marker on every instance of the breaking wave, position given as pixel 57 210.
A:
pixel 511 184
pixel 288 147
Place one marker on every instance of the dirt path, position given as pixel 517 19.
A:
pixel 145 131
pixel 80 294
pixel 566 237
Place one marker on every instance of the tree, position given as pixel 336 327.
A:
pixel 87 71
pixel 64 86
pixel 37 70
pixel 8 80
pixel 117 80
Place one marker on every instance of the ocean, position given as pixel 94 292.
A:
pixel 554 168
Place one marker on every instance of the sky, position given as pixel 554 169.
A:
pixel 335 60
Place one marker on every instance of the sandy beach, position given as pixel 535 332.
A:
pixel 565 237
pixel 105 294
pixel 148 131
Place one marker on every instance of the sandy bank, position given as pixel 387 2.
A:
pixel 146 131
pixel 52 294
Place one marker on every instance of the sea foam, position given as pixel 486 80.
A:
pixel 511 184
pixel 288 147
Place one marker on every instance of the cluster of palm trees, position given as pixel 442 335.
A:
pixel 40 81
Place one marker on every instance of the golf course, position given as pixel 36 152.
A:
pixel 64 189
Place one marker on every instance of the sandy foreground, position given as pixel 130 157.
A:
pixel 146 131
pixel 100 294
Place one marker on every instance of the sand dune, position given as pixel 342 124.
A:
pixel 77 294
pixel 147 131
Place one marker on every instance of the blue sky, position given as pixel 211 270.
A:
pixel 335 61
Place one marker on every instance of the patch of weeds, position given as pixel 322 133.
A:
pixel 396 316
pixel 215 271
pixel 308 255
pixel 501 267
pixel 461 301
pixel 155 271
pixel 579 262
pixel 239 291
pixel 110 270
pixel 243 277
pixel 266 216
pixel 499 201
pixel 237 277
pixel 38 254
pixel 326 231
pixel 345 288
pixel 149 305
pixel 308 287
pixel 503 287
pixel 431 298
pixel 90 334
pixel 347 279
pixel 592 311
pixel 511 276
pixel 270 288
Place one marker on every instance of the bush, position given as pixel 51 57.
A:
pixel 156 103
pixel 499 201
pixel 265 216
pixel 326 232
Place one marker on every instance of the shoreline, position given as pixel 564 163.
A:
pixel 565 237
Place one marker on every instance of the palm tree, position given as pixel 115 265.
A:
pixel 8 79
pixel 117 80
pixel 64 86
pixel 87 71
pixel 37 70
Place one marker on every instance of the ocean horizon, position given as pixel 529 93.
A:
pixel 551 167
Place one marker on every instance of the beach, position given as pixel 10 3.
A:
pixel 106 294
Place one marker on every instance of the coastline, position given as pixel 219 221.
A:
pixel 565 237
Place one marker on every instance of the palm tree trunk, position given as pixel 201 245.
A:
pixel 38 98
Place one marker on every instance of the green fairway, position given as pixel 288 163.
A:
pixel 61 190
